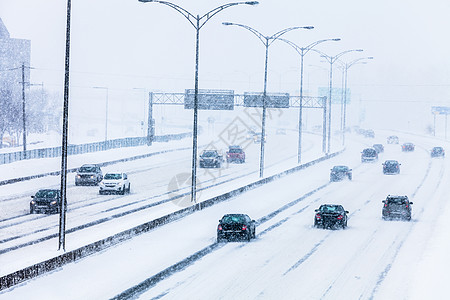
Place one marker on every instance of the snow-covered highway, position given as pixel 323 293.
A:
pixel 372 258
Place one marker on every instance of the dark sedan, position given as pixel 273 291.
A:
pixel 407 147
pixel 396 207
pixel 391 167
pixel 46 201
pixel 339 173
pixel 236 226
pixel 330 216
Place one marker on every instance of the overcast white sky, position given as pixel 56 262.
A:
pixel 126 44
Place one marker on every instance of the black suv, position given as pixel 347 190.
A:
pixel 330 215
pixel 396 207
pixel 89 174
pixel 237 226
pixel 369 154
pixel 46 200
pixel 437 152
pixel 210 159
pixel 340 172
pixel 391 167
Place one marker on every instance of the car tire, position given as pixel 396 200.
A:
pixel 122 192
pixel 76 183
pixel 350 177
pixel 249 236
pixel 32 211
pixel 129 188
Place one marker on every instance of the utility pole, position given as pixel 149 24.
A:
pixel 23 113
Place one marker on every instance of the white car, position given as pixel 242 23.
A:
pixel 114 182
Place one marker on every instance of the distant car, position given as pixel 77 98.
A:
pixel 369 133
pixel 408 147
pixel 330 216
pixel 340 172
pixel 236 226
pixel 116 182
pixel 211 159
pixel 249 135
pixel 369 155
pixel 257 138
pixel 396 207
pixel 46 200
pixel 281 131
pixel 437 152
pixel 88 174
pixel 378 147
pixel 391 167
pixel 393 139
pixel 235 154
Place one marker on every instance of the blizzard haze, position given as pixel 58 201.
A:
pixel 127 44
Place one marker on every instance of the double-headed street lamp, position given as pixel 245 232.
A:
pixel 302 51
pixel 346 66
pixel 197 22
pixel 267 41
pixel 332 60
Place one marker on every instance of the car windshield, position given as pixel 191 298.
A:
pixel 391 162
pixel 340 168
pixel 47 194
pixel 87 169
pixel 235 151
pixel 113 176
pixel 397 201
pixel 437 149
pixel 209 154
pixel 233 219
pixel 331 208
pixel 369 152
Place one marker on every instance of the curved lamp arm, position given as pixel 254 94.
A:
pixel 190 17
pixel 357 60
pixel 260 36
pixel 179 9
pixel 303 50
pixel 216 10
pixel 275 36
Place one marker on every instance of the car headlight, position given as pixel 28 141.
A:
pixel 78 176
pixel 53 203
pixel 33 202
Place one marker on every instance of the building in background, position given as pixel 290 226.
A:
pixel 13 53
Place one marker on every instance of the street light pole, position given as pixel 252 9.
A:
pixel 346 67
pixel 332 60
pixel 63 207
pixel 267 41
pixel 302 51
pixel 24 114
pixel 200 21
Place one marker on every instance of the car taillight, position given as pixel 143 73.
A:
pixel 244 227
pixel 219 227
pixel 340 217
pixel 318 216
pixel 385 205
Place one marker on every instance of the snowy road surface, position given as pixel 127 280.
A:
pixel 289 258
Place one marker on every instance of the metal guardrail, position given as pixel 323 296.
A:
pixel 74 255
pixel 6 158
